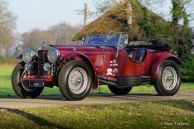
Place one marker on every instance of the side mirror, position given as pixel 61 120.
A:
pixel 83 40
pixel 125 42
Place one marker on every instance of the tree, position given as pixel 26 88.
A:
pixel 104 5
pixel 183 39
pixel 58 34
pixel 7 25
pixel 32 39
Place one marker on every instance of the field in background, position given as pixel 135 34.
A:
pixel 6 90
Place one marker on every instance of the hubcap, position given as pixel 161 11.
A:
pixel 169 78
pixel 78 80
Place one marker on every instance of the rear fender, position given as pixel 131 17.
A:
pixel 85 58
pixel 158 62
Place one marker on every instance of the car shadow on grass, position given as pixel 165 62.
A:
pixel 36 119
pixel 181 104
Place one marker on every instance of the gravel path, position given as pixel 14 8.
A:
pixel 44 101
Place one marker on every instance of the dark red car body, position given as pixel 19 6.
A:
pixel 99 58
pixel 108 60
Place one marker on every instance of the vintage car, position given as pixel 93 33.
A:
pixel 102 59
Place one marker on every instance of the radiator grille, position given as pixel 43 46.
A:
pixel 42 58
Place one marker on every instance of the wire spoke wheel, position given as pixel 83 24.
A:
pixel 75 80
pixel 21 87
pixel 78 80
pixel 169 78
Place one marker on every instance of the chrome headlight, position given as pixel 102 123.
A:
pixel 28 55
pixel 53 55
pixel 46 67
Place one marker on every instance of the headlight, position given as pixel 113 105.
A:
pixel 46 67
pixel 28 55
pixel 53 55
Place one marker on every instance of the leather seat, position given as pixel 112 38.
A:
pixel 137 54
pixel 140 55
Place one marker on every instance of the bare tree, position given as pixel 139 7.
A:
pixel 57 34
pixel 104 5
pixel 7 25
pixel 64 32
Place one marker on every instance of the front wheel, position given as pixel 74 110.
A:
pixel 75 80
pixel 169 79
pixel 119 91
pixel 20 86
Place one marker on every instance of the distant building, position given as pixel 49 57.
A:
pixel 118 19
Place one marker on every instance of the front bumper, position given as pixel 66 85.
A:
pixel 46 79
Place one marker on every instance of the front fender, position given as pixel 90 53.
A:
pixel 83 57
pixel 20 57
pixel 158 62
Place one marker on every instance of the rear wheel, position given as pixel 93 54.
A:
pixel 75 80
pixel 120 91
pixel 169 79
pixel 20 86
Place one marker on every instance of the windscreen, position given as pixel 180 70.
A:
pixel 106 39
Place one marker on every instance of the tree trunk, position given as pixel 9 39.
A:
pixel 175 7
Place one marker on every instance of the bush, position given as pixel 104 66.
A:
pixel 187 69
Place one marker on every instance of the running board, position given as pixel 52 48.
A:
pixel 125 81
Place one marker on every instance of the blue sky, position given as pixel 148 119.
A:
pixel 42 14
pixel 45 13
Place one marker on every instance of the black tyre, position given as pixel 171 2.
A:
pixel 21 87
pixel 169 79
pixel 120 91
pixel 75 80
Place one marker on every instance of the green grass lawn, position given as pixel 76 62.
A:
pixel 144 115
pixel 6 90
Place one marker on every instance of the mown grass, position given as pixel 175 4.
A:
pixel 6 89
pixel 144 115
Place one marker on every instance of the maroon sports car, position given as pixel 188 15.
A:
pixel 102 59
